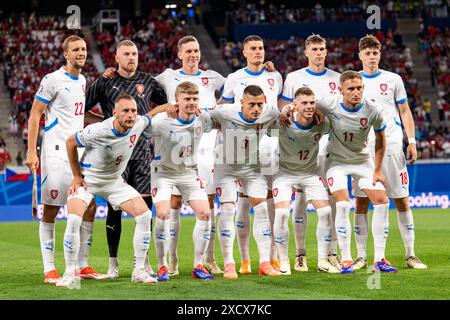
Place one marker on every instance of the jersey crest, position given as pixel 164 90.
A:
pixel 54 193
pixel 332 85
pixel 271 81
pixel 383 87
pixel 205 81
pixel 363 122
pixel 133 138
pixel 140 88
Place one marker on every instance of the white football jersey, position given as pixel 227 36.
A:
pixel 177 141
pixel 325 83
pixel 65 96
pixel 270 82
pixel 386 90
pixel 299 146
pixel 239 141
pixel 207 82
pixel 350 128
pixel 107 151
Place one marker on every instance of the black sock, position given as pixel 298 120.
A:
pixel 113 230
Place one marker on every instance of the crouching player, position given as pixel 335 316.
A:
pixel 299 147
pixel 175 165
pixel 109 145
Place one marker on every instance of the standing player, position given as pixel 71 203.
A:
pixel 245 121
pixel 61 98
pixel 324 82
pixel 109 145
pixel 175 164
pixel 145 90
pixel 254 73
pixel 208 82
pixel 299 147
pixel 386 89
pixel 351 119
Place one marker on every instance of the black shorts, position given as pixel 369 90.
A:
pixel 137 175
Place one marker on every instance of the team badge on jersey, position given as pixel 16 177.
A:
pixel 133 138
pixel 275 192
pixel 271 81
pixel 383 87
pixel 140 89
pixel 205 81
pixel 332 85
pixel 363 122
pixel 54 193
pixel 198 132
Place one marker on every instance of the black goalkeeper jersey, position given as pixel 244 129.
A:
pixel 143 87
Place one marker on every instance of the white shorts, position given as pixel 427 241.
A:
pixel 253 183
pixel 394 168
pixel 56 178
pixel 313 186
pixel 337 173
pixel 116 193
pixel 191 187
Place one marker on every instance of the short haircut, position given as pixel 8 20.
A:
pixel 186 87
pixel 252 38
pixel 369 41
pixel 127 43
pixel 253 90
pixel 303 91
pixel 349 75
pixel 123 97
pixel 70 39
pixel 184 40
pixel 315 39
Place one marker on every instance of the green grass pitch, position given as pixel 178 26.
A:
pixel 21 268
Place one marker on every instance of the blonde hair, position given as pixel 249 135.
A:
pixel 186 87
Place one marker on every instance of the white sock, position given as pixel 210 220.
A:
pixel 262 231
pixel 243 227
pixel 406 226
pixel 200 235
pixel 299 221
pixel 281 232
pixel 113 263
pixel 361 233
pixel 72 242
pixel 227 232
pixel 209 255
pixel 86 231
pixel 334 242
pixel 380 229
pixel 141 238
pixel 343 229
pixel 47 240
pixel 161 233
pixel 174 231
pixel 323 232
pixel 271 212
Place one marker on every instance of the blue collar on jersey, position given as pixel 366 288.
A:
pixel 365 75
pixel 70 76
pixel 245 120
pixel 186 121
pixel 118 134
pixel 352 110
pixel 192 75
pixel 254 73
pixel 317 74
pixel 298 125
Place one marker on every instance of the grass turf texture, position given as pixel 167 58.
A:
pixel 21 268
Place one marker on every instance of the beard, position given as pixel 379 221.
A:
pixel 78 65
pixel 130 68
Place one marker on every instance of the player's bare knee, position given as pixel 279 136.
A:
pixel 362 205
pixel 89 215
pixel 175 201
pixel 402 204
pixel 204 215
pixel 256 201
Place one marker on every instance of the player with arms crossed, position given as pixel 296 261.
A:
pixel 324 82
pixel 299 147
pixel 61 98
pixel 245 121
pixel 351 119
pixel 208 82
pixel 387 90
pixel 108 147
pixel 271 82
pixel 175 164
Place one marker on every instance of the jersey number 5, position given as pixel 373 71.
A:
pixel 79 108
pixel 118 160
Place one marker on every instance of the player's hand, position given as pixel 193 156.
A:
pixel 287 114
pixel 32 161
pixel 198 112
pixel 411 153
pixel 172 111
pixel 269 66
pixel 76 183
pixel 318 117
pixel 109 73
pixel 378 176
